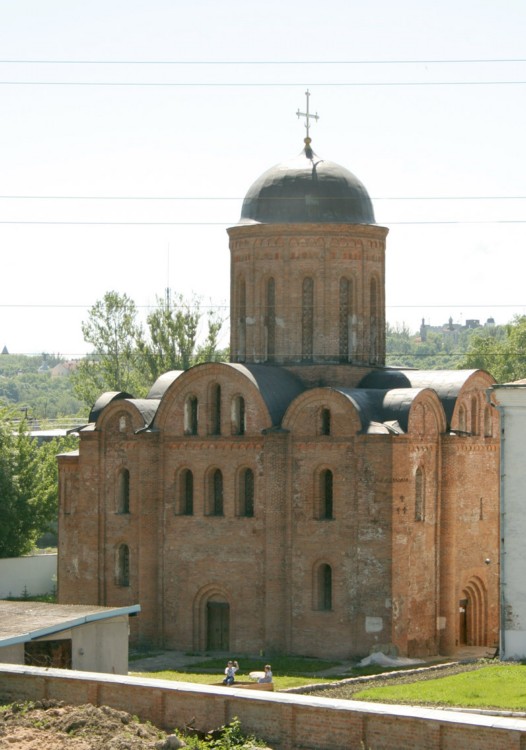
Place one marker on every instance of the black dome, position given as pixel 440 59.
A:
pixel 307 189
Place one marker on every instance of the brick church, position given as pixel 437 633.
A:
pixel 303 498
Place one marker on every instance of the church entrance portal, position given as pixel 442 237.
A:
pixel 473 615
pixel 217 626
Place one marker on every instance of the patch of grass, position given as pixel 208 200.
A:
pixel 289 671
pixel 281 682
pixel 285 664
pixel 500 686
pixel 50 598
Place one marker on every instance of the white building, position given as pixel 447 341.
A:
pixel 510 399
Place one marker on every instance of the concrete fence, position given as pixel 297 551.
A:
pixel 284 721
pixel 32 575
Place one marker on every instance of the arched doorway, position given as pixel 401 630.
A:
pixel 217 626
pixel 473 614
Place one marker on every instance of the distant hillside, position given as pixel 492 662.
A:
pixel 38 386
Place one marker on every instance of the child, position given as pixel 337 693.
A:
pixel 268 674
pixel 230 672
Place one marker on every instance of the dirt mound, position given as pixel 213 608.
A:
pixel 51 725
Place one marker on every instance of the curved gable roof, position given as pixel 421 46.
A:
pixel 447 384
pixel 103 401
pixel 147 408
pixel 278 387
pixel 162 383
pixel 382 406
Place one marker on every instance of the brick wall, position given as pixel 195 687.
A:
pixel 285 721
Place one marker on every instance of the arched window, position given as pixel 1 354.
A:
pixel 238 415
pixel 215 494
pixel 270 319
pixel 123 565
pixel 185 494
pixel 215 409
pixel 307 320
pixel 474 416
pixel 488 422
pixel 419 495
pixel 190 415
pixel 123 492
pixel 323 586
pixel 324 498
pixel 324 425
pixel 373 321
pixel 242 321
pixel 346 312
pixel 245 504
pixel 462 418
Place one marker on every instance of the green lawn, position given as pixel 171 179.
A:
pixel 280 681
pixel 500 686
pixel 288 671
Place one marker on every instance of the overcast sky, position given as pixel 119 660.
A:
pixel 131 130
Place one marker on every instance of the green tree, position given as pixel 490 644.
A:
pixel 126 358
pixel 504 357
pixel 114 364
pixel 173 332
pixel 28 486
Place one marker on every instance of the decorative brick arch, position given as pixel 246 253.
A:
pixel 473 622
pixel 215 595
pixel 231 380
pixel 303 415
pixel 122 418
pixel 475 386
pixel 426 415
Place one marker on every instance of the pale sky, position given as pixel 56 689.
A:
pixel 131 187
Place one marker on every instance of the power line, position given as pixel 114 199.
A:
pixel 238 198
pixel 274 84
pixel 444 61
pixel 235 222
pixel 225 306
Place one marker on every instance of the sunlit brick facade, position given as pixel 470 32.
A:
pixel 302 498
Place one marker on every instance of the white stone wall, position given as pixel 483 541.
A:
pixel 511 401
pixel 35 574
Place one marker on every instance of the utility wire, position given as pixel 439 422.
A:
pixel 238 198
pixel 235 222
pixel 444 61
pixel 275 84
pixel 225 306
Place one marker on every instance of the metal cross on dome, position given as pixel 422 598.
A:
pixel 307 115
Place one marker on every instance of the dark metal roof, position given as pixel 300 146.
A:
pixel 277 386
pixel 147 407
pixel 382 406
pixel 103 401
pixel 307 189
pixel 446 383
pixel 163 382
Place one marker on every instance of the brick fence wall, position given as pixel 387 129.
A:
pixel 284 721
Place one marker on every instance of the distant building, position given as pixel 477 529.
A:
pixel 64 369
pixel 303 498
